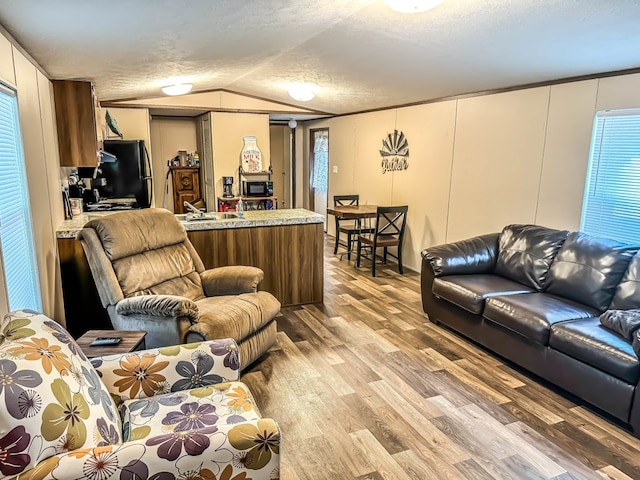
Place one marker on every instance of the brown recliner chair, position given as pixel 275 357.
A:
pixel 150 278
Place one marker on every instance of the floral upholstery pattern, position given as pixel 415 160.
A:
pixel 184 414
pixel 51 395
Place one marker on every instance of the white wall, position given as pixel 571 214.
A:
pixel 228 130
pixel 169 135
pixel 39 138
pixel 478 163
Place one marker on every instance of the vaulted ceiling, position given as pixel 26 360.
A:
pixel 358 54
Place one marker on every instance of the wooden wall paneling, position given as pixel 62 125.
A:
pixel 497 161
pixel 37 179
pixel 52 176
pixel 566 154
pixel 7 73
pixel 289 255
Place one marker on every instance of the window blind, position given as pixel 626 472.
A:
pixel 16 234
pixel 611 207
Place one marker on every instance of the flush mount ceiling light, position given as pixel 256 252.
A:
pixel 178 89
pixel 412 6
pixel 302 93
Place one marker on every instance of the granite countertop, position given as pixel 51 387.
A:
pixel 252 218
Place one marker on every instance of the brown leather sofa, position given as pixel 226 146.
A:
pixel 534 296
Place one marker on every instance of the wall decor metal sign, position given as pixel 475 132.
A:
pixel 395 152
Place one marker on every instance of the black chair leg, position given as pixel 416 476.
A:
pixel 349 240
pixel 400 260
pixel 384 256
pixel 335 247
pixel 358 254
pixel 373 261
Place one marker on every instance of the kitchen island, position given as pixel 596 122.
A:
pixel 286 244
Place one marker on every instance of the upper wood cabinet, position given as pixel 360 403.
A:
pixel 76 121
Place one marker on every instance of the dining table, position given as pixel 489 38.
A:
pixel 354 212
pixel 344 212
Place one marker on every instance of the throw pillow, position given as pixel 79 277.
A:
pixel 623 322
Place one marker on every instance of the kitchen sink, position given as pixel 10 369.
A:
pixel 190 217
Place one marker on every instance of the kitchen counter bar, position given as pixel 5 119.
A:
pixel 252 218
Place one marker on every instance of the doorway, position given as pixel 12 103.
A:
pixel 319 171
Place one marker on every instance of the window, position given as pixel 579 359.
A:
pixel 611 206
pixel 319 180
pixel 16 235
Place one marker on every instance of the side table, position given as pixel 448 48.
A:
pixel 132 340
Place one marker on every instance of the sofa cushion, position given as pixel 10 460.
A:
pixel 525 253
pixel 622 322
pixel 211 406
pixel 532 314
pixel 470 291
pixel 588 341
pixel 53 400
pixel 627 295
pixel 588 269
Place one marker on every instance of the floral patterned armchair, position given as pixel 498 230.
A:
pixel 163 414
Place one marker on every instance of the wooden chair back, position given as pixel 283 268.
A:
pixel 391 222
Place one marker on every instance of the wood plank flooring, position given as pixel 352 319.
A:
pixel 364 387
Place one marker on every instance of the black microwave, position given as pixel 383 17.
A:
pixel 257 189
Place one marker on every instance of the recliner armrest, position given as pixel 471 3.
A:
pixel 472 256
pixel 232 280
pixel 158 306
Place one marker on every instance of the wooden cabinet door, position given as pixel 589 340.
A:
pixel 186 187
pixel 76 121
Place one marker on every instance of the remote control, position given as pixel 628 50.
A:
pixel 105 341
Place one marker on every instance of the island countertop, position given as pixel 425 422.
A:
pixel 252 218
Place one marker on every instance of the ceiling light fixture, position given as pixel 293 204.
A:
pixel 302 93
pixel 412 6
pixel 292 123
pixel 178 89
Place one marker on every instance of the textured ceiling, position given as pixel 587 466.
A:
pixel 359 54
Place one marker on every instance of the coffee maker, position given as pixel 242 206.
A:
pixel 227 185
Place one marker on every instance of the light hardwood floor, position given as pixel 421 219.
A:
pixel 364 387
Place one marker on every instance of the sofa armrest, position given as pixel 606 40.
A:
pixel 232 280
pixel 207 452
pixel 466 257
pixel 172 306
pixel 159 370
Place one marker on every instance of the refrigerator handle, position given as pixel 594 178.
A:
pixel 149 178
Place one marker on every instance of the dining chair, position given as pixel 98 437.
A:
pixel 351 228
pixel 388 232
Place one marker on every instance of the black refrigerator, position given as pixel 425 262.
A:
pixel 129 176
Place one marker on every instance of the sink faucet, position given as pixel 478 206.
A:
pixel 193 209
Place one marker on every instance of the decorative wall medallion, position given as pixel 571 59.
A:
pixel 395 152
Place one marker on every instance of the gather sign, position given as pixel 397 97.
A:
pixel 394 152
